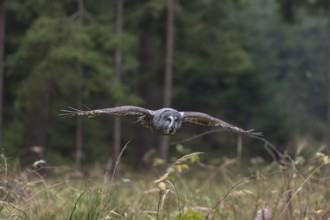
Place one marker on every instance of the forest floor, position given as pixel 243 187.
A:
pixel 187 190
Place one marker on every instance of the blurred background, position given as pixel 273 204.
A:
pixel 261 64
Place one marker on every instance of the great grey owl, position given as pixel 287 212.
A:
pixel 165 121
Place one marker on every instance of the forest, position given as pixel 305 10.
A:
pixel 257 64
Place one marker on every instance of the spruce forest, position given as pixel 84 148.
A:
pixel 256 64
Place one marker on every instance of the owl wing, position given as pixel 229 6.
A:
pixel 120 110
pixel 205 119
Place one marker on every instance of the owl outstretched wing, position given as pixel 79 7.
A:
pixel 205 119
pixel 120 110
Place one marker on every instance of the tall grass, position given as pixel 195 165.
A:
pixel 188 189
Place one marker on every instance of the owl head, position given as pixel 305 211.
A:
pixel 167 121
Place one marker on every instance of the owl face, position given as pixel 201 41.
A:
pixel 167 122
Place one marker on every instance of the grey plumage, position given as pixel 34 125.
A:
pixel 165 121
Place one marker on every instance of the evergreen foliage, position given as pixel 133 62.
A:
pixel 235 60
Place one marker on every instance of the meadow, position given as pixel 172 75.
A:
pixel 187 189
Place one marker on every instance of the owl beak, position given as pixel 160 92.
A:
pixel 171 127
pixel 172 130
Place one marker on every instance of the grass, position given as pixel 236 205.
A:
pixel 188 189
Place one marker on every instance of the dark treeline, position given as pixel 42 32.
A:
pixel 257 64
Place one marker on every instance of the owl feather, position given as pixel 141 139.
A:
pixel 165 121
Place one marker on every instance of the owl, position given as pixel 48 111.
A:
pixel 165 121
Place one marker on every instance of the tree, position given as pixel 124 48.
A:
pixel 80 79
pixel 2 48
pixel 118 73
pixel 164 144
pixel 291 12
pixel 328 82
pixel 147 59
pixel 213 71
pixel 60 49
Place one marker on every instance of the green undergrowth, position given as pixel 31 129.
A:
pixel 186 190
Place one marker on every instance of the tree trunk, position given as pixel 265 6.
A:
pixel 328 84
pixel 164 144
pixel 118 72
pixel 169 55
pixel 147 53
pixel 2 49
pixel 79 131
